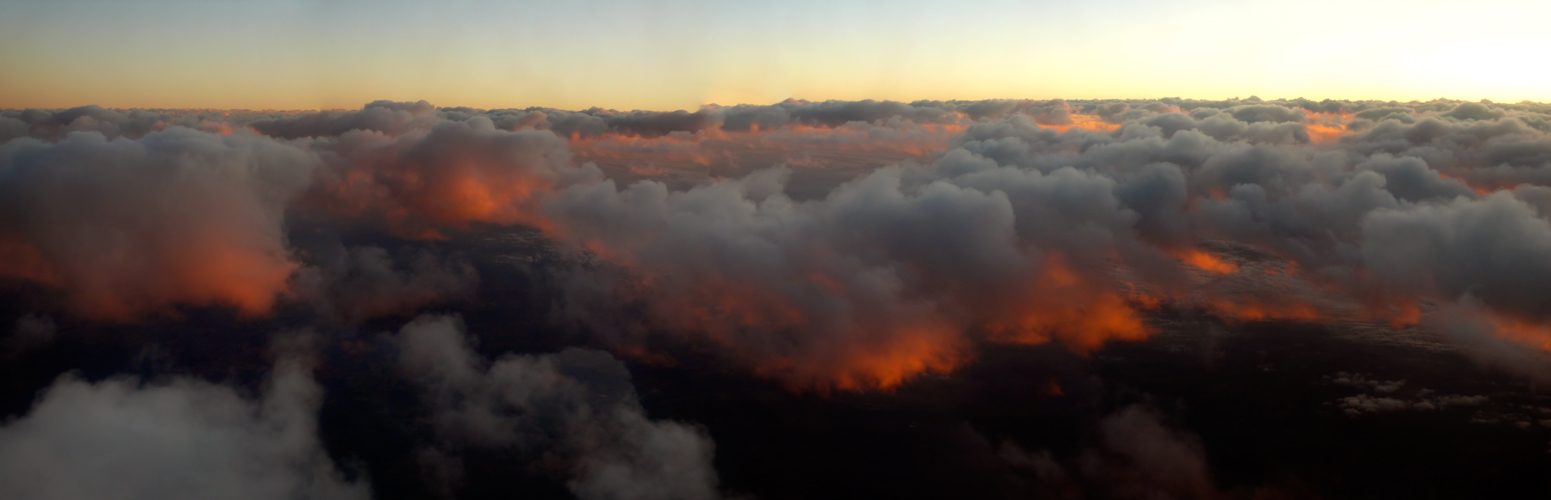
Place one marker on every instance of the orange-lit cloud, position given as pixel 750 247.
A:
pixel 1084 122
pixel 1064 305
pixel 1206 261
pixel 445 178
pixel 1529 333
pixel 1327 127
pixel 131 227
pixel 1256 310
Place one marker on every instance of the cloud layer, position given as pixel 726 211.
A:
pixel 949 223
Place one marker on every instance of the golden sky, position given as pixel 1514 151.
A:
pixel 679 55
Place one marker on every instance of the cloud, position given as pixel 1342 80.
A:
pixel 876 283
pixel 1362 382
pixel 1496 339
pixel 1474 111
pixel 740 263
pixel 1366 404
pixel 901 234
pixel 127 227
pixel 179 438
pixel 31 331
pixel 11 128
pixel 652 124
pixel 1492 248
pixel 390 118
pixel 55 125
pixel 357 283
pixel 1138 456
pixel 576 406
pixel 449 176
pixel 832 246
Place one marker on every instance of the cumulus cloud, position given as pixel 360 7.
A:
pixel 1492 248
pixel 11 128
pixel 130 226
pixel 179 438
pixel 576 407
pixel 449 176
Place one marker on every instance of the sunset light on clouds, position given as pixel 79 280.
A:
pixel 624 250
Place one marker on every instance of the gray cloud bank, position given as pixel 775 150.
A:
pixel 1025 221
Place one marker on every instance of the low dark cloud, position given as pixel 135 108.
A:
pixel 1138 456
pixel 357 283
pixel 576 407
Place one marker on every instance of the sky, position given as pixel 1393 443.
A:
pixel 683 54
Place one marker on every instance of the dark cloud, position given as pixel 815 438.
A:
pixel 364 282
pixel 1138 457
pixel 576 406
pixel 652 124
pixel 31 331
